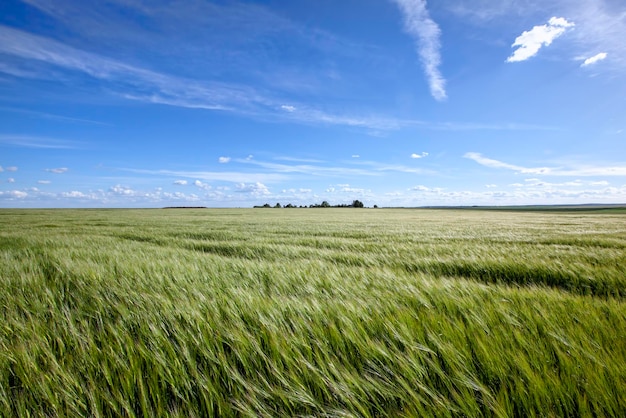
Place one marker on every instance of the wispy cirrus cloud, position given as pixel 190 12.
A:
pixel 426 33
pixel 222 176
pixel 581 170
pixel 135 83
pixel 59 170
pixel 530 42
pixel 51 116
pixel 316 168
pixel 29 141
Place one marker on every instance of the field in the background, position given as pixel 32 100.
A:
pixel 312 312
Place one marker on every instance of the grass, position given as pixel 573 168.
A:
pixel 316 312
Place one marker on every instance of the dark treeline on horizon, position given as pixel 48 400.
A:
pixel 324 204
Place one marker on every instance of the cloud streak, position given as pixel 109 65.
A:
pixel 592 60
pixel 60 170
pixel 135 83
pixel 582 171
pixel 426 33
pixel 28 141
pixel 530 42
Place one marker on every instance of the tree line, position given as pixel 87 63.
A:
pixel 324 204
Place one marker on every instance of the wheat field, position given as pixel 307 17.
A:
pixel 312 312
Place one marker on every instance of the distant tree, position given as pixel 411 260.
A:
pixel 357 204
pixel 325 204
pixel 289 205
pixel 267 205
pixel 375 206
pixel 278 206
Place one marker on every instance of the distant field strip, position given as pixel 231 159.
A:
pixel 312 312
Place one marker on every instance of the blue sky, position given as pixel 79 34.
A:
pixel 131 103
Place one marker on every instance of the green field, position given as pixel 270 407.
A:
pixel 312 312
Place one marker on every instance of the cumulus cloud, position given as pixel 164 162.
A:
pixel 255 189
pixel 201 185
pixel 181 182
pixel 74 194
pixel 301 190
pixel 223 160
pixel 594 59
pixel 60 170
pixel 14 194
pixel 422 155
pixel 530 42
pixel 288 108
pixel 122 190
pixel 426 33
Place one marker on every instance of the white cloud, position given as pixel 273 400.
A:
pixel 600 24
pixel 255 189
pixel 7 169
pixel 74 194
pixel 356 156
pixel 229 176
pixel 28 141
pixel 44 182
pixel 122 190
pixel 249 157
pixel 224 160
pixel 578 171
pixel 305 191
pixel 60 170
pixel 202 185
pixel 491 186
pixel 488 162
pixel 181 182
pixel 594 59
pixel 426 33
pixel 422 155
pixel 10 180
pixel 14 194
pixel 530 42
pixel 154 87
